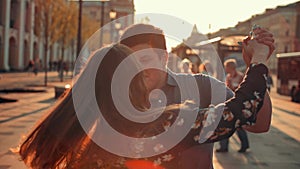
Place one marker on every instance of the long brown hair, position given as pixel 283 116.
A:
pixel 58 140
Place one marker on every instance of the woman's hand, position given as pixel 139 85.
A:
pixel 261 46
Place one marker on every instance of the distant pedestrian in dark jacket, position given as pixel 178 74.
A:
pixel 295 93
pixel 269 82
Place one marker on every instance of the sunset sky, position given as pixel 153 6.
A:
pixel 216 13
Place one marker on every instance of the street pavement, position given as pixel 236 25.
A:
pixel 279 148
pixel 17 118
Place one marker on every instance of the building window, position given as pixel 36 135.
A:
pixel 13 13
pixel 287 33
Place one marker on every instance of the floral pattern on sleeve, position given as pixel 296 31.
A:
pixel 219 122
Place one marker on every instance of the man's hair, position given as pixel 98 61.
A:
pixel 230 62
pixel 143 34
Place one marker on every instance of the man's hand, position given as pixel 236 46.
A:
pixel 251 46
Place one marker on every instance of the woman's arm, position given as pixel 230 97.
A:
pixel 264 117
pixel 219 122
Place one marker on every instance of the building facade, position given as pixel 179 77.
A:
pixel 124 10
pixel 19 42
pixel 283 22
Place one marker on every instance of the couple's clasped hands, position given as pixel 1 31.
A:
pixel 258 47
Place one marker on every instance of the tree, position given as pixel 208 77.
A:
pixel 68 30
pixel 89 28
pixel 55 22
pixel 45 23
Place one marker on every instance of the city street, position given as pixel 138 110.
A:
pixel 187 37
pixel 17 118
pixel 277 149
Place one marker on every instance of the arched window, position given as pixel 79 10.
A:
pixel 13 57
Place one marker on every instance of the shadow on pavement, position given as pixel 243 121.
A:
pixel 5 100
pixel 22 90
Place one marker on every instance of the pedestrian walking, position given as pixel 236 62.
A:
pixel 233 80
pixel 295 93
pixel 186 66
pixel 30 66
pixel 206 68
pixel 269 83
pixel 36 66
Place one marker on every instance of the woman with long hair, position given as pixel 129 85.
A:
pixel 70 135
pixel 57 140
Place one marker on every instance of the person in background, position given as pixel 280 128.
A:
pixel 233 79
pixel 269 82
pixel 195 68
pixel 295 93
pixel 206 68
pixel 30 66
pixel 36 66
pixel 186 66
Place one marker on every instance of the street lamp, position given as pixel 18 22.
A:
pixel 79 28
pixel 112 16
pixel 102 21
pixel 118 27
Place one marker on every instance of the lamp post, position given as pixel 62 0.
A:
pixel 112 16
pixel 117 27
pixel 102 20
pixel 79 28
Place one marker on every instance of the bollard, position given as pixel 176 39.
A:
pixel 59 90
